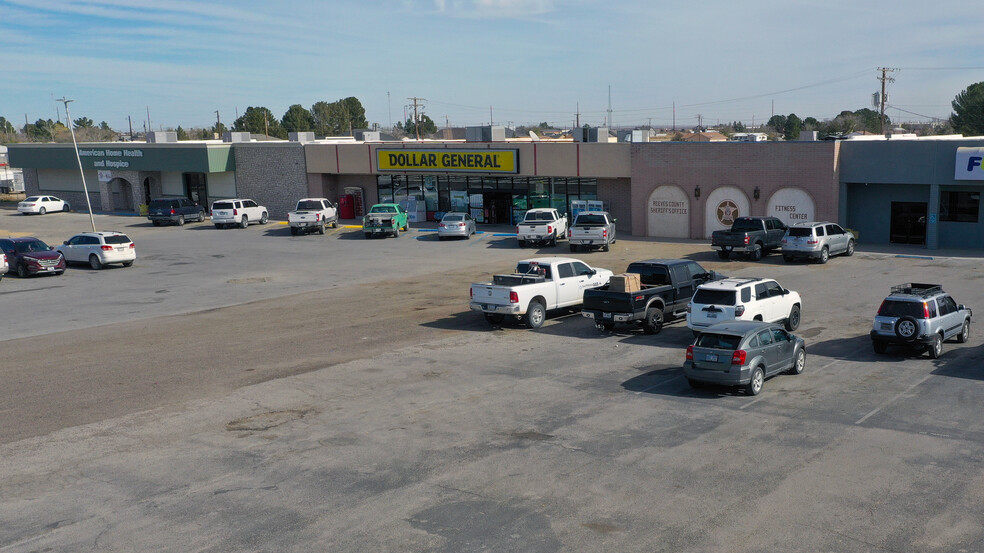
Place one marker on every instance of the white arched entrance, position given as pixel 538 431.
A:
pixel 792 205
pixel 668 213
pixel 724 205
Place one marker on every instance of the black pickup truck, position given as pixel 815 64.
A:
pixel 754 236
pixel 667 286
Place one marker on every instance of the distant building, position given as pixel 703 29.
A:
pixel 705 136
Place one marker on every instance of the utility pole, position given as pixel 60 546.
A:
pixel 674 116
pixel 700 125
pixel 884 79
pixel 389 109
pixel 266 126
pixel 149 126
pixel 490 116
pixel 610 124
pixel 218 122
pixel 416 120
pixel 577 115
pixel 130 121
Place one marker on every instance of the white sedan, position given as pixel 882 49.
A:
pixel 42 205
pixel 99 249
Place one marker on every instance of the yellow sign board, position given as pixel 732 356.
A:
pixel 448 160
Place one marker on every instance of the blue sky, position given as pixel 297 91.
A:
pixel 529 60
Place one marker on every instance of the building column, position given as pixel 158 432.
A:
pixel 932 217
pixel 105 196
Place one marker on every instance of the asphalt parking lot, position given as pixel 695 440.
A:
pixel 245 390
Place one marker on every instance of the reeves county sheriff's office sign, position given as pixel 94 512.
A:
pixel 970 164
pixel 456 161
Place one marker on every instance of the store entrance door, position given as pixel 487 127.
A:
pixel 908 225
pixel 498 207
pixel 196 189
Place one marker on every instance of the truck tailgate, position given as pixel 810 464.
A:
pixel 728 238
pixel 601 299
pixel 490 294
pixel 588 233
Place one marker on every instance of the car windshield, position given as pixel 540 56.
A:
pixel 117 239
pixel 718 341
pixel 798 231
pixel 895 308
pixel 590 221
pixel 747 224
pixel 714 297
pixel 32 246
pixel 308 205
pixel 453 218
pixel 222 205
pixel 382 209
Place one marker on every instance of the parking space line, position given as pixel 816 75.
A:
pixel 478 239
pixel 893 400
pixel 654 386
pixel 814 371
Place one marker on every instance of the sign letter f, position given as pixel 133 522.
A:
pixel 973 161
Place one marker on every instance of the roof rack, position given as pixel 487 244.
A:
pixel 919 289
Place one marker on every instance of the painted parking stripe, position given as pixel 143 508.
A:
pixel 893 400
pixel 814 371
pixel 657 385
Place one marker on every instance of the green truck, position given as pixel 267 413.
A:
pixel 384 219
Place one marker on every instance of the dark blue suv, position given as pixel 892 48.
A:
pixel 175 211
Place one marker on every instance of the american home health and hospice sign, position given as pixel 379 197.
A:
pixel 448 160
pixel 109 158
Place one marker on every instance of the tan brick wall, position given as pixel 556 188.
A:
pixel 809 166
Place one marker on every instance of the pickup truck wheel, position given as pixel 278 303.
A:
pixel 787 258
pixel 573 248
pixel 368 235
pixel 964 333
pixel 824 256
pixel 396 233
pixel 850 248
pixel 724 254
pixel 793 320
pixel 754 386
pixel 293 231
pixel 799 363
pixel 553 242
pixel 535 315
pixel 605 248
pixel 936 347
pixel 244 222
pixel 321 228
pixel 522 243
pixel 334 224
pixel 607 327
pixel 879 346
pixel 494 318
pixel 756 252
pixel 653 322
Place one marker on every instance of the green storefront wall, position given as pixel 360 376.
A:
pixel 126 156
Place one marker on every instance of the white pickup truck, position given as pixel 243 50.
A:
pixel 312 214
pixel 537 285
pixel 541 226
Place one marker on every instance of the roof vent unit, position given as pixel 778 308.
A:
pixel 808 136
pixel 368 136
pixel 301 136
pixel 485 134
pixel 230 136
pixel 157 137
pixel 591 134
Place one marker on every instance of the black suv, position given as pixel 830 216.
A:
pixel 175 211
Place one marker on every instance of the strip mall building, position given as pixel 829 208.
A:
pixel 890 191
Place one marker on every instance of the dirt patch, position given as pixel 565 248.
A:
pixel 266 421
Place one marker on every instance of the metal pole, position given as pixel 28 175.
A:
pixel 78 158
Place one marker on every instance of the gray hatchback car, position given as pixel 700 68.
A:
pixel 743 353
pixel 920 316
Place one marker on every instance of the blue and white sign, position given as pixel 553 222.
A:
pixel 969 164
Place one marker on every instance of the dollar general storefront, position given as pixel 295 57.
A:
pixel 495 181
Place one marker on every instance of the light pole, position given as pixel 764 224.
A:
pixel 85 189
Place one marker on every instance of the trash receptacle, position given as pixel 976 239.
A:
pixel 346 206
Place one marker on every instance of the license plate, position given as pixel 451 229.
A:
pixel 712 315
pixel 606 315
pixel 119 249
pixel 711 357
pixel 49 268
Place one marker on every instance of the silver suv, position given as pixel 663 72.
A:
pixel 817 241
pixel 922 316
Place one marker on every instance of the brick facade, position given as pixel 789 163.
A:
pixel 273 174
pixel 76 200
pixel 807 166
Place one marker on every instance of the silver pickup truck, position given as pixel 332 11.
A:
pixel 592 229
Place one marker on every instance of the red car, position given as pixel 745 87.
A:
pixel 31 256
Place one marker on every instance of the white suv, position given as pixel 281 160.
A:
pixel 3 265
pixel 99 249
pixel 238 212
pixel 745 299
